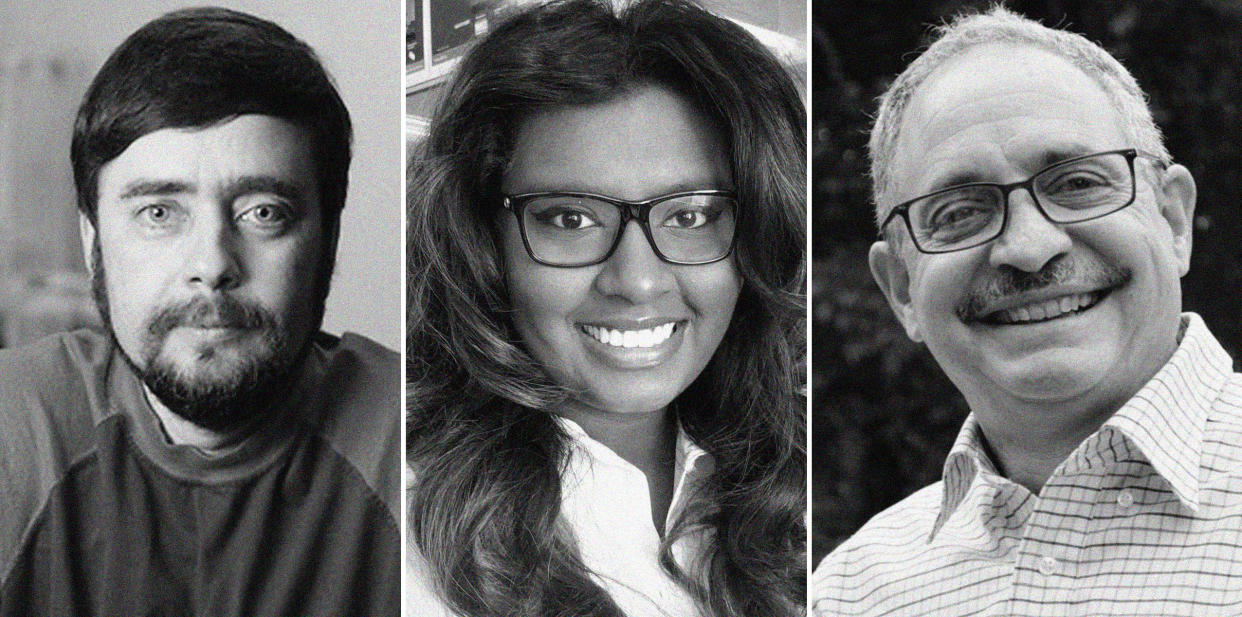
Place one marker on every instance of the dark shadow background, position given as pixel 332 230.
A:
pixel 884 415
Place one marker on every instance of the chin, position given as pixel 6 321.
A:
pixel 221 392
pixel 633 399
pixel 213 373
pixel 1050 382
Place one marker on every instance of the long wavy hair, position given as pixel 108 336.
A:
pixel 486 451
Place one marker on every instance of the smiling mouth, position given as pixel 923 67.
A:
pixel 646 338
pixel 1046 310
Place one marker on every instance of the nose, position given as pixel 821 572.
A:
pixel 634 272
pixel 1029 240
pixel 211 261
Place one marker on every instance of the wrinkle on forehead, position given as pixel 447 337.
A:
pixel 1001 110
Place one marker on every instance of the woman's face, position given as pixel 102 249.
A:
pixel 645 144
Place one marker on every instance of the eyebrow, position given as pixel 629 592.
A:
pixel 956 178
pixel 669 189
pixel 1046 158
pixel 1056 154
pixel 682 187
pixel 236 186
pixel 144 188
pixel 264 184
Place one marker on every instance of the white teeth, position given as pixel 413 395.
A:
pixel 630 338
pixel 1048 309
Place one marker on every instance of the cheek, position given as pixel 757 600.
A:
pixel 711 292
pixel 132 277
pixel 1139 240
pixel 543 297
pixel 541 294
pixel 133 282
pixel 282 273
pixel 302 262
pixel 939 284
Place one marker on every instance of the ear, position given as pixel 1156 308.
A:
pixel 1177 205
pixel 893 277
pixel 86 229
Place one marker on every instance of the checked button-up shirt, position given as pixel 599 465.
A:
pixel 1143 518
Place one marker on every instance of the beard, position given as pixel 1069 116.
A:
pixel 224 393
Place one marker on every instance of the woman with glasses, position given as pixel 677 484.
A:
pixel 606 254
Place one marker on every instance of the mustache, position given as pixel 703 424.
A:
pixel 221 311
pixel 1064 270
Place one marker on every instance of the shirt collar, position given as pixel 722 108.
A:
pixel 1164 421
pixel 690 457
pixel 1166 418
pixel 965 459
pixel 692 466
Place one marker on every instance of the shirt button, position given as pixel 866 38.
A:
pixel 1049 566
pixel 1125 498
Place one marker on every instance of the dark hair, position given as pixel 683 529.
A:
pixel 197 67
pixel 487 454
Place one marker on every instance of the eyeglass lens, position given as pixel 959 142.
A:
pixel 1073 191
pixel 572 230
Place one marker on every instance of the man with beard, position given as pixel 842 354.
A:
pixel 212 453
pixel 1034 234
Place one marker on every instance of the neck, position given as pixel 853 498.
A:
pixel 1027 455
pixel 645 440
pixel 1028 440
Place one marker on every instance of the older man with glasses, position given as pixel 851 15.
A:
pixel 1033 234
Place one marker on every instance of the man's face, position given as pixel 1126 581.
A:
pixel 1080 314
pixel 207 243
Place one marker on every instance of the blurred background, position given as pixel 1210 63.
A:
pixel 883 414
pixel 50 50
pixel 439 31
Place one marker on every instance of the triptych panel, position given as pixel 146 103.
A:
pixel 551 308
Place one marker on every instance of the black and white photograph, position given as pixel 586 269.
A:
pixel 200 308
pixel 606 383
pixel 621 308
pixel 1025 397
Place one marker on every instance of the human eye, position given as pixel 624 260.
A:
pixel 158 216
pixel 1086 183
pixel 268 216
pixel 565 217
pixel 1076 180
pixel 957 214
pixel 691 218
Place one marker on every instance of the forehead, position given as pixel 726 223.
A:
pixel 202 159
pixel 643 144
pixel 997 109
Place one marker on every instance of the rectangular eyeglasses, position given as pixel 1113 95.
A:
pixel 567 229
pixel 969 215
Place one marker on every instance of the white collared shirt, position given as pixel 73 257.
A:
pixel 606 502
pixel 1143 518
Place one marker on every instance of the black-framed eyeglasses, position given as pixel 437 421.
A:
pixel 1079 189
pixel 567 229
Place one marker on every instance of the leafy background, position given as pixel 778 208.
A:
pixel 884 415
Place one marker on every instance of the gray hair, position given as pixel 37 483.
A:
pixel 1000 25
